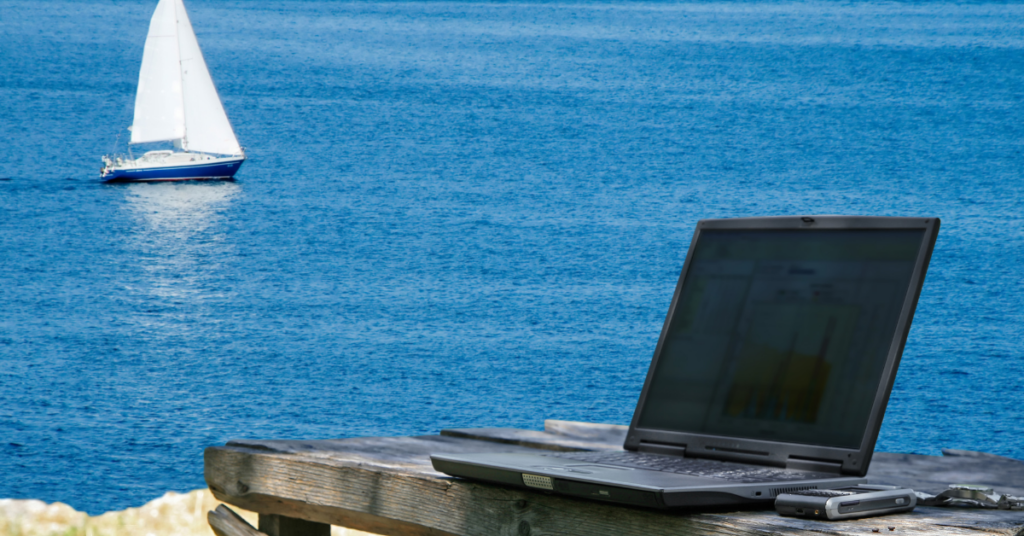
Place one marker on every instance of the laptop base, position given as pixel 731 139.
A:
pixel 622 485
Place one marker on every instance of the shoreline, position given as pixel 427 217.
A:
pixel 173 514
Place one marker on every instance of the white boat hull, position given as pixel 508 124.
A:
pixel 161 166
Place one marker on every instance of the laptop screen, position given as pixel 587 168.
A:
pixel 782 335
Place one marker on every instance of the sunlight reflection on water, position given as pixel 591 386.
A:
pixel 179 237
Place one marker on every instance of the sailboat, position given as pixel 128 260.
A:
pixel 176 101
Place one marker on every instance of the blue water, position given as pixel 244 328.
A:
pixel 462 214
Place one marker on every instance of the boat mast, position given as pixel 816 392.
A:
pixel 181 75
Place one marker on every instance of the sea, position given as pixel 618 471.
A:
pixel 473 214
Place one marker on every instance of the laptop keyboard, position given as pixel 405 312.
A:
pixel 733 472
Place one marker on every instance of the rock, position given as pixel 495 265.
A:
pixel 31 517
pixel 174 514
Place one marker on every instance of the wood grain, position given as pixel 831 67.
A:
pixel 387 486
pixel 528 438
pixel 612 434
pixel 932 474
pixel 225 522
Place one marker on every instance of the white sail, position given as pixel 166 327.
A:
pixel 176 98
pixel 206 125
pixel 159 109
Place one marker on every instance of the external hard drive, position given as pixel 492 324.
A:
pixel 863 500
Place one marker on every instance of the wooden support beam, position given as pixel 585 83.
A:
pixel 225 522
pixel 278 525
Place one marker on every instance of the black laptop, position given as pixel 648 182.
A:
pixel 771 374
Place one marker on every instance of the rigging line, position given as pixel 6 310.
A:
pixel 130 52
pixel 127 110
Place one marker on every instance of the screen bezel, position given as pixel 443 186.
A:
pixel 850 461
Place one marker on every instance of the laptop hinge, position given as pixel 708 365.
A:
pixel 662 448
pixel 811 464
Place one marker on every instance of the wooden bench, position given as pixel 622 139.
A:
pixel 386 485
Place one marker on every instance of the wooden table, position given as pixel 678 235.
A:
pixel 386 485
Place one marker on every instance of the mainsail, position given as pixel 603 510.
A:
pixel 176 99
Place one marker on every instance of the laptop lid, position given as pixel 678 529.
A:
pixel 782 340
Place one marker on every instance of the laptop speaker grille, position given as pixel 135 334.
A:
pixel 776 491
pixel 536 481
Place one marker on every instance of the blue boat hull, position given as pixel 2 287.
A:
pixel 221 170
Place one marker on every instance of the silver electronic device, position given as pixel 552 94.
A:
pixel 771 374
pixel 846 503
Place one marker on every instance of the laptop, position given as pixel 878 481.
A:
pixel 771 373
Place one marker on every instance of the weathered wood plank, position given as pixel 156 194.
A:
pixel 316 489
pixel 612 434
pixel 225 522
pixel 411 454
pixel 557 435
pixel 528 438
pixel 923 473
pixel 932 474
pixel 260 481
pixel 385 485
